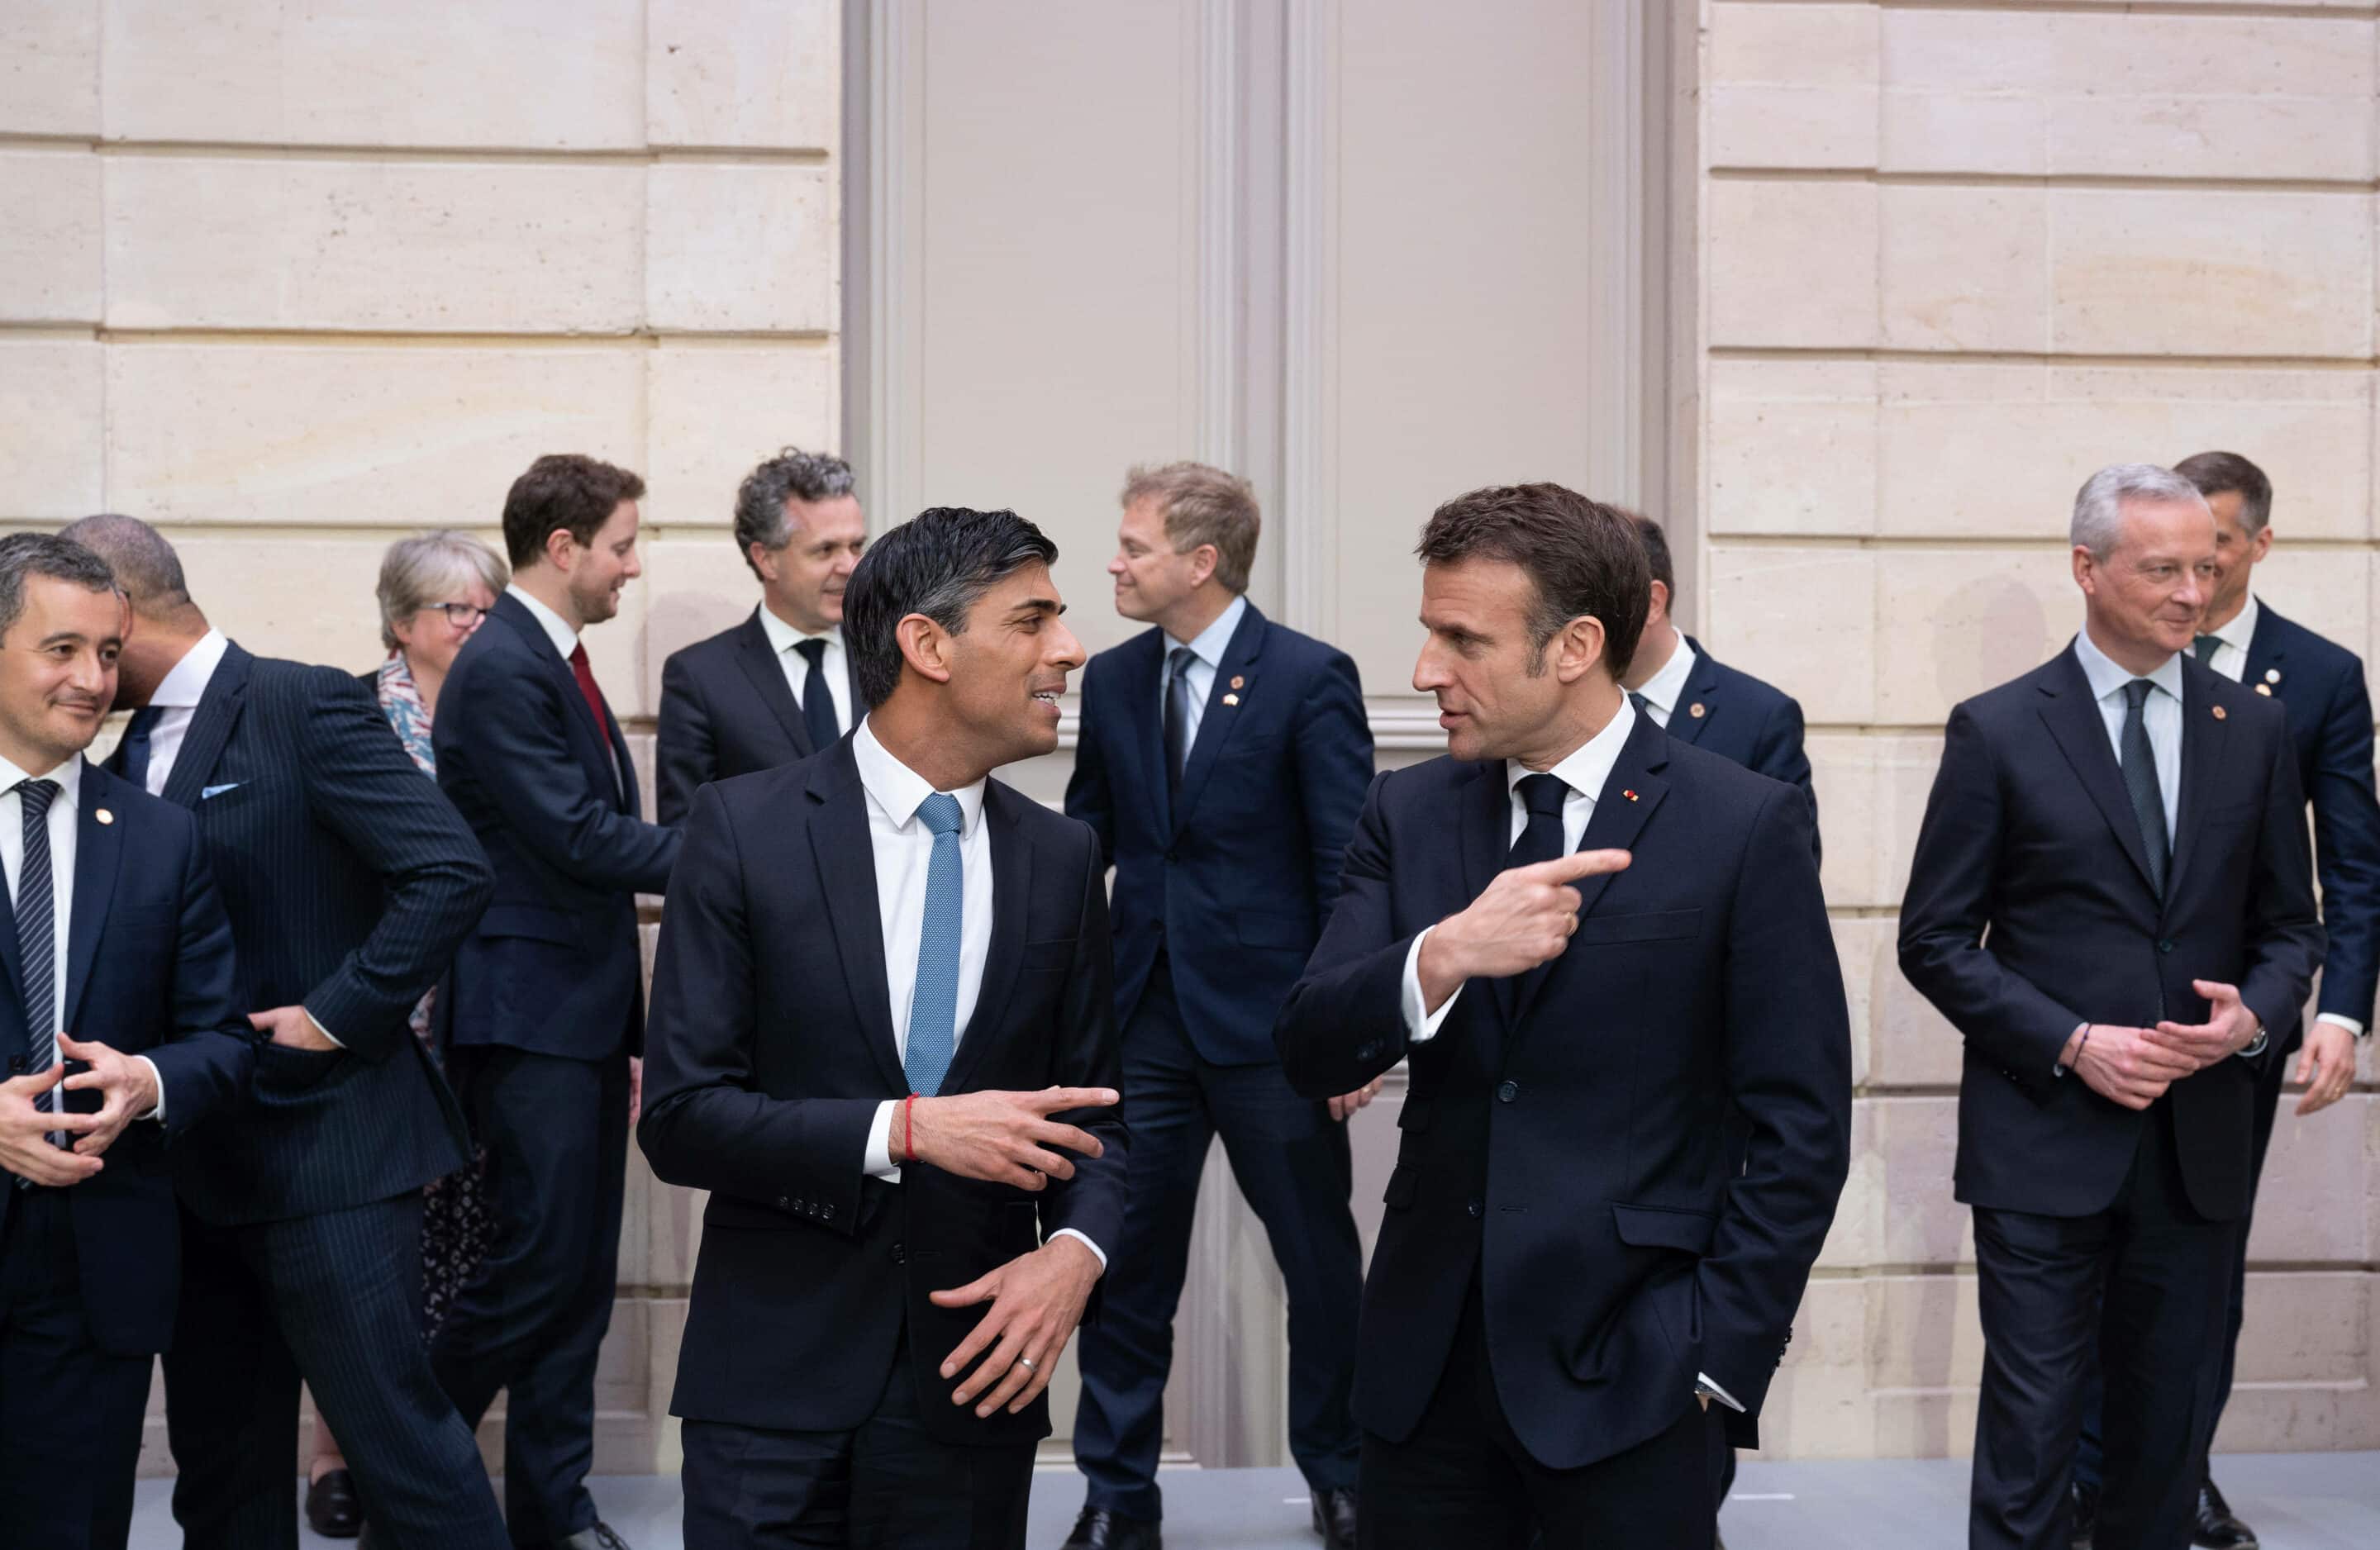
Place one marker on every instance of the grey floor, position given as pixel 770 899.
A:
pixel 2296 1501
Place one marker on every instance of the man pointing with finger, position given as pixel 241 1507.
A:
pixel 1588 941
pixel 2111 899
pixel 883 1036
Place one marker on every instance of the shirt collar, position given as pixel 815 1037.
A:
pixel 2108 676
pixel 1589 765
pixel 2242 627
pixel 1216 638
pixel 897 789
pixel 1665 688
pixel 557 629
pixel 186 683
pixel 68 776
pixel 783 637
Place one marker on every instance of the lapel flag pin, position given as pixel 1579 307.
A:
pixel 1230 700
pixel 1696 711
pixel 2272 675
pixel 1629 794
pixel 2220 712
pixel 103 816
pixel 2265 690
pixel 1240 683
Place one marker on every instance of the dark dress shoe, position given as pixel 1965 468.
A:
pixel 2215 1528
pixel 1334 1518
pixel 1099 1528
pixel 2086 1515
pixel 332 1509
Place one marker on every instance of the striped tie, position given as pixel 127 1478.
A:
pixel 36 934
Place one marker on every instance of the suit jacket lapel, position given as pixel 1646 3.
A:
pixel 1702 689
pixel 1220 721
pixel 513 611
pixel 2203 741
pixel 1149 723
pixel 1012 891
pixel 99 849
pixel 2266 654
pixel 1486 829
pixel 2072 713
pixel 846 870
pixel 768 675
pixel 1629 794
pixel 210 729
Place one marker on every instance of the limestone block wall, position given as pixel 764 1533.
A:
pixel 294 280
pixel 1953 261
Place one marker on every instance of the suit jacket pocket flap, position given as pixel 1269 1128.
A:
pixel 1403 1183
pixel 1650 926
pixel 1662 1226
pixel 528 920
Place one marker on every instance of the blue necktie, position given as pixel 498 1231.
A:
pixel 131 756
pixel 1177 716
pixel 818 700
pixel 934 1003
pixel 36 939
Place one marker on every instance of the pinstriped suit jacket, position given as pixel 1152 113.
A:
pixel 350 881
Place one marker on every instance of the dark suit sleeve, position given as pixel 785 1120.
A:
pixel 1088 1056
pixel 1779 755
pixel 1788 1074
pixel 1345 1021
pixel 1952 879
pixel 513 717
pixel 686 750
pixel 1089 799
pixel 362 786
pixel 2285 939
pixel 205 1065
pixel 704 1125
pixel 1334 771
pixel 2346 850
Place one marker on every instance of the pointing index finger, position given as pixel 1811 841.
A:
pixel 1057 1098
pixel 1577 865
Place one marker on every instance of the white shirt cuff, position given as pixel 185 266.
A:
pixel 1702 1383
pixel 2350 1025
pixel 1070 1232
pixel 1422 1026
pixel 157 1113
pixel 877 1161
pixel 320 1029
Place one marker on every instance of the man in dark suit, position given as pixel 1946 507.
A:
pixel 1698 699
pixel 350 881
pixel 882 1038
pixel 1576 1298
pixel 2111 900
pixel 1222 761
pixel 2320 688
pixel 118 969
pixel 546 1017
pixel 779 687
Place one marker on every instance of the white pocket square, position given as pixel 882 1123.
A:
pixel 217 791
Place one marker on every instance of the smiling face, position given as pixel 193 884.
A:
pixel 429 636
pixel 2237 550
pixel 804 580
pixel 57 671
pixel 1499 695
pixel 1151 579
pixel 2145 598
pixel 597 572
pixel 1009 667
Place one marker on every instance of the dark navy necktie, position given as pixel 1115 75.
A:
pixel 2141 782
pixel 36 934
pixel 2207 646
pixel 131 759
pixel 818 700
pixel 1543 796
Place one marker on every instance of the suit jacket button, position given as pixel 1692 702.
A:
pixel 1478 1208
pixel 1507 1091
pixel 784 1203
pixel 2165 945
pixel 1171 858
pixel 15 1062
pixel 896 1254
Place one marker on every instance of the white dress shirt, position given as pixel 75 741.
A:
pixel 565 641
pixel 1665 688
pixel 903 847
pixel 61 821
pixel 2161 713
pixel 836 664
pixel 1208 650
pixel 178 698
pixel 2230 658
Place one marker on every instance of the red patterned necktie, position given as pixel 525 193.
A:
pixel 586 676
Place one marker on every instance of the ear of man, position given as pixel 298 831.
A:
pixel 925 646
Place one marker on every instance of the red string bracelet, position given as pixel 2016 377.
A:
pixel 909 1128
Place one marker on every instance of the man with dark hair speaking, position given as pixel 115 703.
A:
pixel 1591 942
pixel 883 1038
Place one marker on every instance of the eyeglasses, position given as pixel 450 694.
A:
pixel 463 616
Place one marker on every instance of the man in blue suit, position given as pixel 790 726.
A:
pixel 547 1014
pixel 1591 942
pixel 119 960
pixel 1222 761
pixel 2320 686
pixel 349 880
pixel 1701 700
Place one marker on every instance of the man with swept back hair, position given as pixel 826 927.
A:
pixel 2112 902
pixel 883 1039
pixel 779 687
pixel 1590 942
pixel 1223 761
